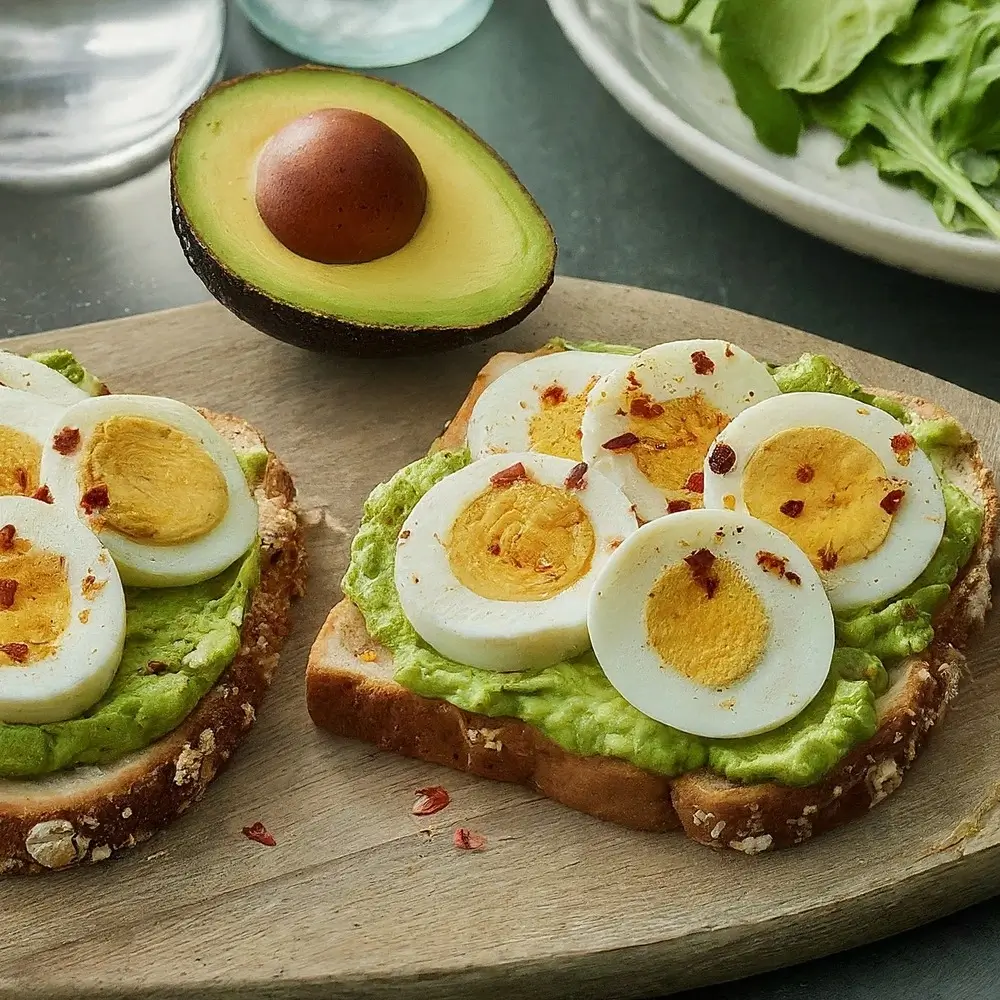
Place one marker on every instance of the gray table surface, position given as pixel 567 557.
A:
pixel 625 210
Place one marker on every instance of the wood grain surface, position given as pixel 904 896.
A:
pixel 359 898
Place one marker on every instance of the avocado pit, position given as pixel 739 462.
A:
pixel 338 186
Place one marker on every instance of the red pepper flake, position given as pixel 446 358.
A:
pixel 90 588
pixel 494 548
pixel 66 441
pixel 729 351
pixel 404 534
pixel 44 494
pixel 676 506
pixel 510 475
pixel 771 563
pixel 828 557
pixel 621 443
pixel 7 533
pixel 792 508
pixel 793 578
pixel 17 651
pixel 695 483
pixel 644 407
pixel 805 473
pixel 576 480
pixel 259 833
pixel 579 434
pixel 703 364
pixel 902 446
pixel 157 667
pixel 430 800
pixel 96 498
pixel 21 475
pixel 891 501
pixel 554 395
pixel 633 382
pixel 700 563
pixel 722 459
pixel 466 840
pixel 8 591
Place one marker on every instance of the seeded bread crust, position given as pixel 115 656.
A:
pixel 89 813
pixel 351 692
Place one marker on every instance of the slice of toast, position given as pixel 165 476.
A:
pixel 86 814
pixel 353 697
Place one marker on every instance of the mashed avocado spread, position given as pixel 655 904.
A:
pixel 189 634
pixel 573 703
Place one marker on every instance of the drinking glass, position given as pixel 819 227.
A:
pixel 90 90
pixel 366 33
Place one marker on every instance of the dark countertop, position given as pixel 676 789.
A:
pixel 625 210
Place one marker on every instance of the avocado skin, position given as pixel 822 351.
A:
pixel 324 332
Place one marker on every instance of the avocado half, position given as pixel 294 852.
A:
pixel 480 261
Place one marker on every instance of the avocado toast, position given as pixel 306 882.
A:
pixel 588 748
pixel 201 623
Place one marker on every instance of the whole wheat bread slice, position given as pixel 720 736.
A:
pixel 89 813
pixel 353 697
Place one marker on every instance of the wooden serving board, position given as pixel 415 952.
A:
pixel 357 899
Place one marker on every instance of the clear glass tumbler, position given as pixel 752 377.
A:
pixel 366 33
pixel 90 90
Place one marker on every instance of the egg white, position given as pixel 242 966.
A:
pixel 796 658
pixel 916 528
pixel 500 635
pixel 32 415
pixel 501 418
pixel 88 654
pixel 38 379
pixel 140 564
pixel 667 372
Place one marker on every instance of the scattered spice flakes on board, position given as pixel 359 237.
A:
pixel 260 834
pixel 430 800
pixel 467 840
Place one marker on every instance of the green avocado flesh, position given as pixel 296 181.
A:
pixel 573 704
pixel 483 250
pixel 194 631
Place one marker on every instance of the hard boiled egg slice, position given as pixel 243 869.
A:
pixel 157 483
pixel 712 622
pixel 495 562
pixel 843 480
pixel 62 614
pixel 648 425
pixel 26 425
pixel 40 380
pixel 538 405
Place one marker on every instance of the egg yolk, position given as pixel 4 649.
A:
pixel 39 612
pixel 674 437
pixel 838 483
pixel 523 542
pixel 714 640
pixel 555 428
pixel 163 487
pixel 20 459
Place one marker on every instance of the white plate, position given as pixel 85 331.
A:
pixel 667 83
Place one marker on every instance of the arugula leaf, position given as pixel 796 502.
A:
pixel 809 46
pixel 882 113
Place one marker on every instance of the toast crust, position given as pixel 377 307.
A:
pixel 353 697
pixel 90 813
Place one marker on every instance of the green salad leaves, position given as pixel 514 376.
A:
pixel 913 86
